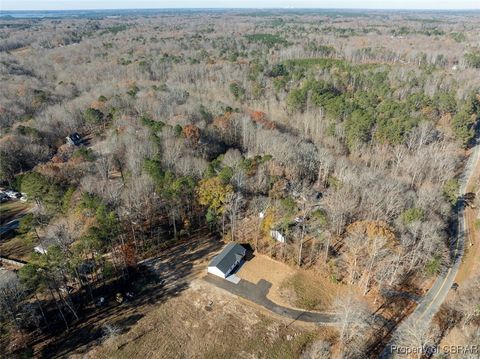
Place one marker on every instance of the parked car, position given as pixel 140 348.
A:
pixel 74 139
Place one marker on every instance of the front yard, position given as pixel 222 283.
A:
pixel 292 287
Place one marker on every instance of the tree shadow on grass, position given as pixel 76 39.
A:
pixel 154 281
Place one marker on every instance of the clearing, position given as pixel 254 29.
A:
pixel 207 322
pixel 182 316
pixel 291 287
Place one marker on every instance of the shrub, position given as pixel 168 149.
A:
pixel 85 154
pixel 178 130
pixel 277 71
pixel 412 215
pixel 93 116
pixel 473 59
pixel 237 91
pixel 133 90
pixel 155 126
pixel 450 190
pixel 433 266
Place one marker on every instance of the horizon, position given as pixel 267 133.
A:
pixel 248 8
pixel 20 10
pixel 92 5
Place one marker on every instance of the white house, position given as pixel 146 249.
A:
pixel 278 236
pixel 13 194
pixel 227 260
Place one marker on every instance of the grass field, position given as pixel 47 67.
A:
pixel 187 327
pixel 310 290
pixel 291 287
pixel 18 247
pixel 13 245
pixel 9 210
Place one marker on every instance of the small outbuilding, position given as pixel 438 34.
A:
pixel 13 194
pixel 40 249
pixel 227 260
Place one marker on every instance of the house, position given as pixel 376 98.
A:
pixel 278 236
pixel 13 194
pixel 3 197
pixel 227 260
pixel 74 139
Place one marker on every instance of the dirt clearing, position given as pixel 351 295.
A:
pixel 206 322
pixel 291 287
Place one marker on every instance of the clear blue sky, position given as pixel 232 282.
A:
pixel 137 4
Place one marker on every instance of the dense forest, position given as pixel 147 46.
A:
pixel 344 133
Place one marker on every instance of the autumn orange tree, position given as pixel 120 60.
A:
pixel 192 133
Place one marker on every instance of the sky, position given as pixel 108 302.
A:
pixel 150 4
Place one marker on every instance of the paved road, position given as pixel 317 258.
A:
pixel 257 293
pixel 430 304
pixel 14 223
pixel 7 227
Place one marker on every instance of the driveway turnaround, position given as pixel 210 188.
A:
pixel 257 293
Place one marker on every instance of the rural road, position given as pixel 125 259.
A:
pixel 431 302
pixel 7 227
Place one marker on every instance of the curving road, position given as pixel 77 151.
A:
pixel 431 302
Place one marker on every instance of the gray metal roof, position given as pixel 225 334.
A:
pixel 231 254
